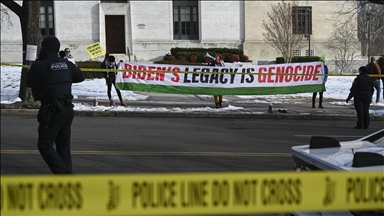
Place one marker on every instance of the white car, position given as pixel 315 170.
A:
pixel 326 153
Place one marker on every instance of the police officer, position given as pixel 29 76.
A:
pixel 51 79
pixel 362 91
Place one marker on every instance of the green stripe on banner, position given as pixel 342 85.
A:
pixel 221 91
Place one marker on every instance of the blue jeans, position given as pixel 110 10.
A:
pixel 376 85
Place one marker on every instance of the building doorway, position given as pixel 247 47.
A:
pixel 115 34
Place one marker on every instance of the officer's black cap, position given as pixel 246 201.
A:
pixel 51 43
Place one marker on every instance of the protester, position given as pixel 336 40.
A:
pixel 110 77
pixel 218 62
pixel 62 54
pixel 374 69
pixel 70 56
pixel 51 78
pixel 382 78
pixel 362 91
pixel 323 89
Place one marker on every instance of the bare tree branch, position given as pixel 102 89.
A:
pixel 13 6
pixel 370 19
pixel 344 45
pixel 279 30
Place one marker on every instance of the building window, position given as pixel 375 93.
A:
pixel 113 1
pixel 185 20
pixel 296 52
pixel 312 53
pixel 47 27
pixel 302 20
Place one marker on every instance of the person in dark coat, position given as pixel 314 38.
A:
pixel 51 79
pixel 110 77
pixel 362 91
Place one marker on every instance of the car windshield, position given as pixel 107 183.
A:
pixel 377 138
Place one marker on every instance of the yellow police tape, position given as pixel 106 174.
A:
pixel 194 72
pixel 191 193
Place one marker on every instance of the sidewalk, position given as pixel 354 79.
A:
pixel 191 106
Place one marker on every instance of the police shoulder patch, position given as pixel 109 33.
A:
pixel 59 66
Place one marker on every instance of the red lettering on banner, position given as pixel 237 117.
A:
pixel 150 73
pixel 317 71
pixel 161 73
pixel 160 76
pixel 127 74
pixel 297 78
pixel 304 71
pixel 309 72
pixel 134 72
pixel 280 74
pixel 261 78
pixel 289 73
pixel 270 72
pixel 141 72
pixel 176 77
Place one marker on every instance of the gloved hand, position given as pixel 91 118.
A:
pixel 347 100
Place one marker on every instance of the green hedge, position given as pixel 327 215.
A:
pixel 91 64
pixel 296 59
pixel 177 62
pixel 200 52
pixel 212 51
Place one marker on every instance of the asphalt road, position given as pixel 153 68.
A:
pixel 163 145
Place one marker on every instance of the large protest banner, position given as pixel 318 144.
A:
pixel 249 80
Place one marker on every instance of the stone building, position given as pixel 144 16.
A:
pixel 145 31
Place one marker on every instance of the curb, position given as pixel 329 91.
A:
pixel 231 115
pixel 19 112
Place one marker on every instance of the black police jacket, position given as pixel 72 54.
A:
pixel 362 88
pixel 53 77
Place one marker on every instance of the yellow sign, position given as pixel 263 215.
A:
pixel 191 193
pixel 95 50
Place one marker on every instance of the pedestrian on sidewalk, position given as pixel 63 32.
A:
pixel 362 91
pixel 110 77
pixel 382 77
pixel 374 69
pixel 218 62
pixel 51 79
pixel 323 87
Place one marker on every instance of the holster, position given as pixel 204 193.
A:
pixel 44 115
pixel 48 107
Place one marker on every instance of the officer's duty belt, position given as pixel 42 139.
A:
pixel 65 102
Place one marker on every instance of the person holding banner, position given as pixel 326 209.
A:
pixel 110 77
pixel 217 61
pixel 320 93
